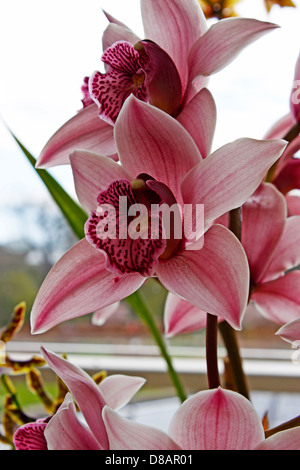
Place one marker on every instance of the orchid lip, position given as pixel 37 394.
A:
pixel 129 226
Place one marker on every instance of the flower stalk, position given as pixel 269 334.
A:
pixel 228 333
pixel 212 351
pixel 137 302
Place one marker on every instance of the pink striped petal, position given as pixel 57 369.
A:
pixel 230 175
pixel 281 127
pixel 284 440
pixel 78 284
pixel 65 432
pixel 114 20
pixel 287 253
pixel 214 279
pixel 31 436
pixel 217 420
pixel 263 216
pixel 150 141
pixel 85 391
pixel 290 332
pixel 124 434
pixel 222 43
pixel 182 317
pixel 295 94
pixel 279 300
pixel 199 119
pixel 116 32
pixel 117 390
pixel 103 314
pixel 293 203
pixel 93 174
pixel 83 131
pixel 174 25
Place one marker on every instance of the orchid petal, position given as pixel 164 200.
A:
pixel 283 440
pixel 150 141
pixel 93 174
pixel 65 432
pixel 124 434
pixel 216 419
pixel 125 75
pixel 214 279
pixel 30 436
pixel 175 25
pixel 115 32
pixel 118 389
pixel 293 203
pixel 295 94
pixel 264 216
pixel 281 127
pixel 85 392
pixel 279 300
pixel 290 332
pixel 101 316
pixel 182 317
pixel 289 177
pixel 83 131
pixel 78 284
pixel 114 20
pixel 228 177
pixel 287 252
pixel 199 119
pixel 222 43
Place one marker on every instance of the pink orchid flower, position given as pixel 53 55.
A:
pixel 156 152
pixel 272 245
pixel 215 419
pixel 64 430
pixel 167 70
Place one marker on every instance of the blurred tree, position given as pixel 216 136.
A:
pixel 41 237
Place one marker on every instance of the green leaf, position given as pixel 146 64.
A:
pixel 73 213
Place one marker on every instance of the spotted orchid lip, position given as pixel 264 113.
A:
pixel 125 75
pixel 126 253
pixel 135 243
pixel 151 141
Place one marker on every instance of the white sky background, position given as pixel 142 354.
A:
pixel 47 47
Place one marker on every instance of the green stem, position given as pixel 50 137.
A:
pixel 10 391
pixel 212 351
pixel 137 302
